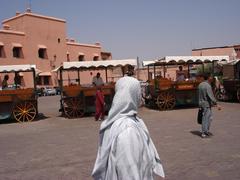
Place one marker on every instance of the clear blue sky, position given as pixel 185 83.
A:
pixel 145 28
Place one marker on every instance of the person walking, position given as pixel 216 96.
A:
pixel 126 150
pixel 99 113
pixel 206 102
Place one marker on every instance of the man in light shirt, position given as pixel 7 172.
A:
pixel 180 74
pixel 206 102
pixel 97 80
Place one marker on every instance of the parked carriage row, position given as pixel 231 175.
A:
pixel 78 100
pixel 164 94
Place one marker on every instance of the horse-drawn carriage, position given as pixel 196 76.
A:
pixel 17 102
pixel 164 93
pixel 79 99
pixel 231 79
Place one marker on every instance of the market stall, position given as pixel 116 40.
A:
pixel 164 93
pixel 79 99
pixel 15 101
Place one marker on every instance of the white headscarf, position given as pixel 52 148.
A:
pixel 125 103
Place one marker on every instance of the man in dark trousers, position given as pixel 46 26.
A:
pixel 206 102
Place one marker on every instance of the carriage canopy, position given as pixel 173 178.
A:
pixel 15 68
pixel 178 60
pixel 98 64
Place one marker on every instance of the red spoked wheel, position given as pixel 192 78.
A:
pixel 166 101
pixel 73 107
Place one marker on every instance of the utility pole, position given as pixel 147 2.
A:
pixel 137 67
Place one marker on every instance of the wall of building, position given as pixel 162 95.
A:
pixel 8 38
pixel 88 51
pixel 40 30
pixel 227 51
pixel 33 31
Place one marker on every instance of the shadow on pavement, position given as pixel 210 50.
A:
pixel 196 133
pixel 10 120
pixel 40 117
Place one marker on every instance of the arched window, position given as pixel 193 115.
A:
pixel 68 57
pixel 2 52
pixel 95 58
pixel 42 52
pixel 81 58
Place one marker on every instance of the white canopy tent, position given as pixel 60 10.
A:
pixel 233 62
pixel 19 69
pixel 184 60
pixel 193 59
pixel 95 65
pixel 145 63
pixel 168 60
pixel 15 68
pixel 99 64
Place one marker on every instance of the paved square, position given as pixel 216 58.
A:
pixel 55 148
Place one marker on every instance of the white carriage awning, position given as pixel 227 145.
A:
pixel 99 64
pixel 13 68
pixel 232 62
pixel 145 63
pixel 188 59
pixel 192 59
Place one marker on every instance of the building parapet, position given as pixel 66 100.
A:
pixel 220 47
pixel 80 44
pixel 33 15
pixel 12 32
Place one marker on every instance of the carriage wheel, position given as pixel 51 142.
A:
pixel 24 111
pixel 220 95
pixel 238 94
pixel 73 107
pixel 165 101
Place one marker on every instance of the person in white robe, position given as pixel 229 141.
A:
pixel 126 150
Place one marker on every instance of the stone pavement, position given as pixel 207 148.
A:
pixel 55 148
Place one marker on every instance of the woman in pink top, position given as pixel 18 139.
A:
pixel 99 113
